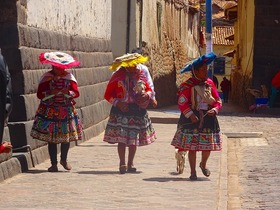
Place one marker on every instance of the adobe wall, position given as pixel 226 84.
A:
pixel 170 38
pixel 168 34
pixel 83 30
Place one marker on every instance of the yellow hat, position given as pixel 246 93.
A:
pixel 128 60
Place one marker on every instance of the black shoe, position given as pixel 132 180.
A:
pixel 193 177
pixel 131 169
pixel 53 168
pixel 122 169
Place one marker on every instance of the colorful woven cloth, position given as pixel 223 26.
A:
pixel 133 127
pixel 59 59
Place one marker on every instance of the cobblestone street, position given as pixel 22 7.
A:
pixel 253 169
pixel 244 175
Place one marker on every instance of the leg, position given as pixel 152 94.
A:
pixel 64 148
pixel 131 155
pixel 192 162
pixel 64 151
pixel 52 148
pixel 204 157
pixel 121 152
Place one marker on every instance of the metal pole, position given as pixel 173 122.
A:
pixel 209 42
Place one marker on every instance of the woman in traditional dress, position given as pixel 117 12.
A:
pixel 199 102
pixel 129 124
pixel 56 120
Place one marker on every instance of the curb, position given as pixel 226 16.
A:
pixel 167 120
pixel 243 134
pixel 21 162
pixel 223 178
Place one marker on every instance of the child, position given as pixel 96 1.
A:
pixel 56 119
pixel 129 124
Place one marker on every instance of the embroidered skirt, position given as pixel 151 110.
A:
pixel 131 128
pixel 202 136
pixel 56 124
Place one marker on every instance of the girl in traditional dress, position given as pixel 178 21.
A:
pixel 198 128
pixel 129 124
pixel 56 120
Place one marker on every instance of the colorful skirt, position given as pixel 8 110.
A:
pixel 202 136
pixel 56 124
pixel 131 128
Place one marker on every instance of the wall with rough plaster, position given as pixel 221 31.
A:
pixel 170 38
pixel 80 28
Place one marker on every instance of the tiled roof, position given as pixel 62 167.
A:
pixel 223 4
pixel 230 53
pixel 219 19
pixel 220 33
pixel 218 15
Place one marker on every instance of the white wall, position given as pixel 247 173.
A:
pixel 66 17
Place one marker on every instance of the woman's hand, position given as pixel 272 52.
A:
pixel 194 118
pixel 211 112
pixel 122 106
pixel 154 103
pixel 142 98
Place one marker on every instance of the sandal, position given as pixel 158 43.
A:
pixel 193 177
pixel 131 169
pixel 65 165
pixel 122 169
pixel 206 172
pixel 53 168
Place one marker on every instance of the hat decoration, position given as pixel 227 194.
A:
pixel 58 59
pixel 128 60
pixel 204 59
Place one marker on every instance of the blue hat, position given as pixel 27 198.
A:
pixel 204 59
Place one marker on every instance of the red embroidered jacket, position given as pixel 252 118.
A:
pixel 121 85
pixel 47 83
pixel 185 95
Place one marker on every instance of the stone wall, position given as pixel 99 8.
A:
pixel 83 30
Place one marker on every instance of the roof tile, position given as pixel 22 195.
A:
pixel 220 33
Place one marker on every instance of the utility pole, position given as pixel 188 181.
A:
pixel 208 35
